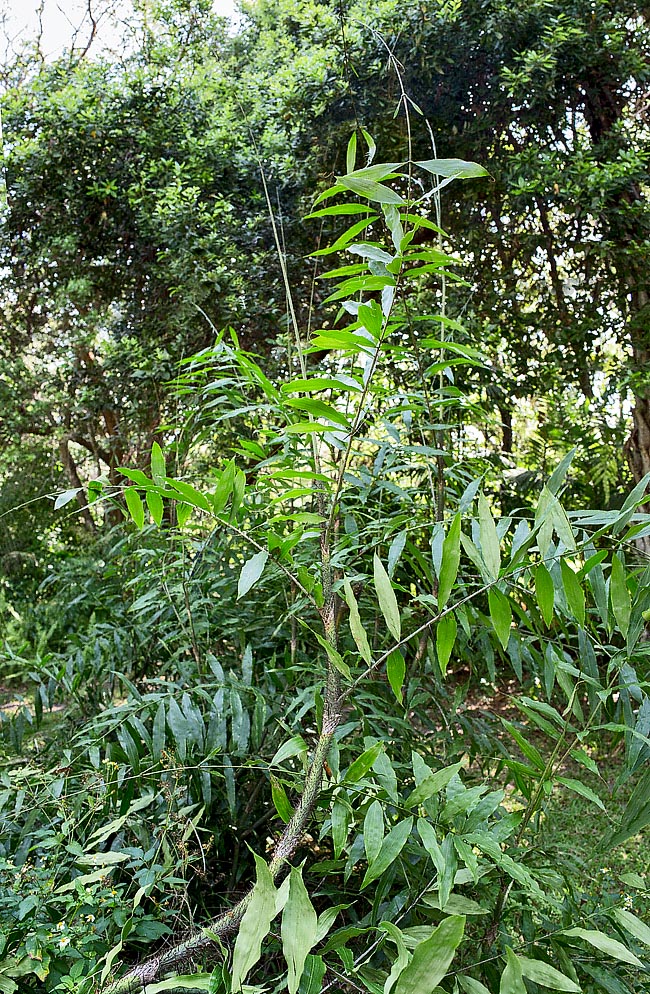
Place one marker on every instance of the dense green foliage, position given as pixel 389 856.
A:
pixel 343 590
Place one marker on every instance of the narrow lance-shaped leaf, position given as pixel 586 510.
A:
pixel 158 468
pixel 574 593
pixel 356 625
pixel 450 562
pixel 396 671
pixel 255 925
pixel 390 849
pixel 298 929
pixel 134 505
pixel 611 947
pixel 432 958
pixel 373 831
pixel 387 599
pixel 541 973
pixel 619 595
pixel 512 979
pixel 500 615
pixel 446 631
pixel 251 572
pixel 544 592
pixel 490 548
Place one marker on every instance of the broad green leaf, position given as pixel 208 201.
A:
pixel 135 505
pixel 402 959
pixel 574 593
pixel 391 847
pixel 633 925
pixel 66 497
pixel 432 785
pixel 190 494
pixel 255 925
pixel 298 929
pixel 155 505
pixel 294 747
pixel 446 631
pixel 387 599
pixel 450 562
pixel 395 551
pixel 604 943
pixel 471 986
pixel 188 982
pixel 456 904
pixel 500 615
pixel 363 763
pixel 455 168
pixel 251 571
pixel 319 409
pixel 339 209
pixel 637 812
pixel 356 625
pixel 512 980
pixel 371 190
pixel 224 487
pixel 547 976
pixel 158 468
pixel 620 595
pixel 311 981
pixel 373 831
pixel 580 788
pixel 490 548
pixel 442 856
pixel 432 958
pixel 396 671
pixel 317 383
pixel 348 235
pixel 544 592
pixel 183 512
pixel 281 802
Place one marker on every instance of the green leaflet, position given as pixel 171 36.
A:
pixel 255 925
pixel 431 959
pixel 446 631
pixel 541 973
pixel 391 847
pixel 633 925
pixel 450 562
pixel 512 980
pixel 363 763
pixel 251 571
pixel 471 986
pixel 620 595
pixel 373 831
pixel 298 929
pixel 432 785
pixel 387 599
pixel 155 505
pixel 490 547
pixel 134 505
pixel 604 943
pixel 500 615
pixel 356 625
pixel 574 593
pixel 158 468
pixel 580 788
pixel 544 592
pixel 396 671
pixel 455 168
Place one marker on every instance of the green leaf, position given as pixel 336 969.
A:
pixel 545 593
pixel 281 802
pixel 500 615
pixel 512 980
pixel 188 982
pixel 450 562
pixel 633 925
pixel 294 747
pixel 431 785
pixel 391 847
pixel 373 831
pixel 190 494
pixel 334 656
pixel 580 788
pixel 351 158
pixel 529 751
pixel 637 812
pixel 490 547
pixel 432 958
pixel 446 631
pixel 255 925
pixel 319 409
pixel 396 671
pixel 66 497
pixel 471 986
pixel 251 571
pixel 456 168
pixel 298 929
pixel 134 505
pixel 224 487
pixel 356 626
pixel 370 190
pixel 605 944
pixel 317 383
pixel 158 468
pixel 574 593
pixel 155 505
pixel 547 976
pixel 387 599
pixel 620 595
pixel 363 763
